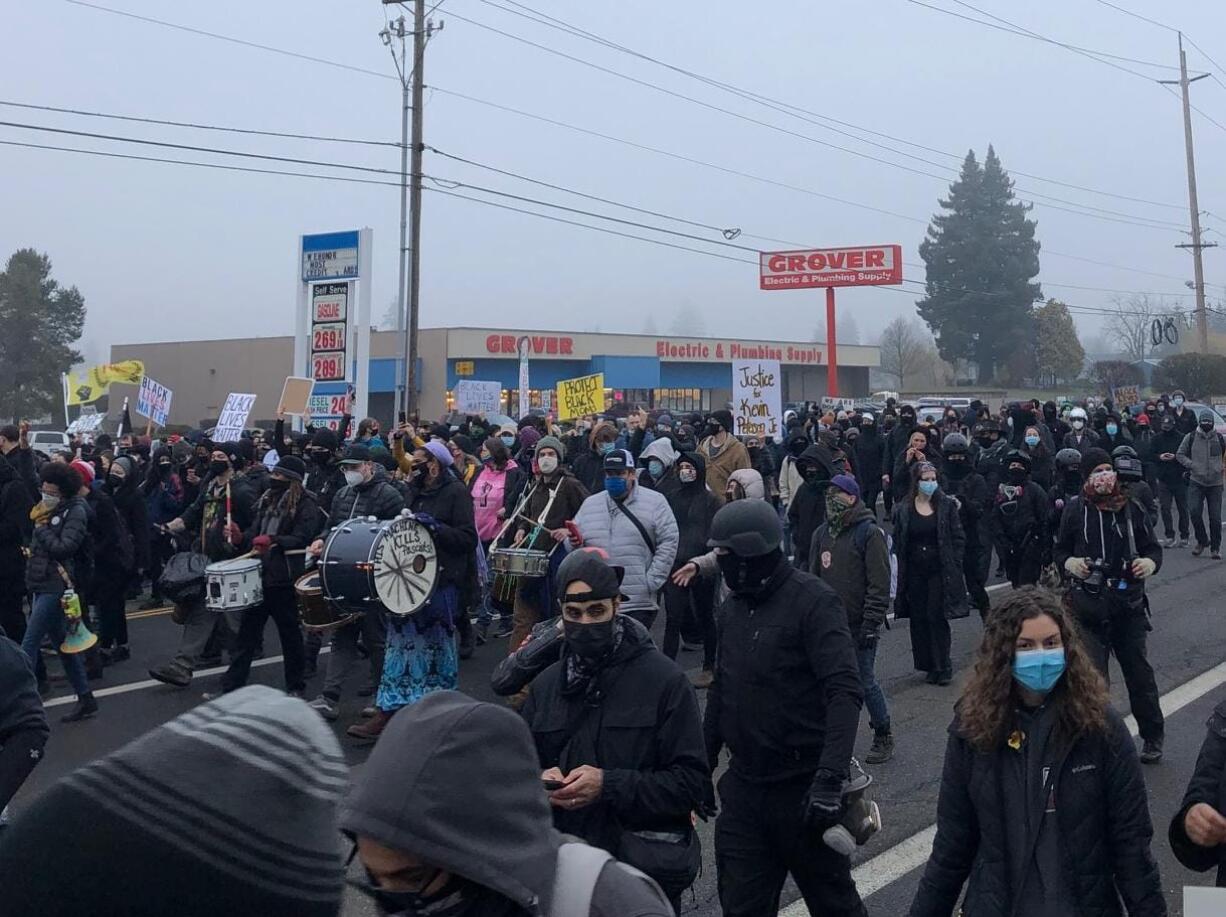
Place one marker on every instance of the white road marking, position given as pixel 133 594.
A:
pixel 153 682
pixel 891 865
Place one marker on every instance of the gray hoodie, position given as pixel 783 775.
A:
pixel 457 783
pixel 1201 454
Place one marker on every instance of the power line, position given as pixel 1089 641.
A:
pixel 1137 16
pixel 195 126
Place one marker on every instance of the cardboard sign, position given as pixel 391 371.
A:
pixel 757 394
pixel 478 397
pixel 153 401
pixel 233 419
pixel 583 395
pixel 1126 396
pixel 296 396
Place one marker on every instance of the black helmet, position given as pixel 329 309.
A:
pixel 1124 450
pixel 955 444
pixel 1068 460
pixel 1017 457
pixel 747 528
pixel 1126 463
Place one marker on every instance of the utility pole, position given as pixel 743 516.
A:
pixel 1197 246
pixel 411 84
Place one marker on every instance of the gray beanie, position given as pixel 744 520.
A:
pixel 551 442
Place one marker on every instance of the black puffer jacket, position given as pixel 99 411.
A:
pixel 455 539
pixel 639 723
pixel 951 542
pixel 1103 820
pixel 694 507
pixel 15 525
pixel 65 540
pixel 376 497
pixel 1208 785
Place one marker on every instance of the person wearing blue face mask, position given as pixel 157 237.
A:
pixel 1043 810
pixel 1115 434
pixel 1036 445
pixel 930 544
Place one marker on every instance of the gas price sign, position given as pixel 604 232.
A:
pixel 329 332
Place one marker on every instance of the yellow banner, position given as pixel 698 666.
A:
pixel 584 395
pixel 90 384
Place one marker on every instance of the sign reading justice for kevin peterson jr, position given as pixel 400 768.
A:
pixel 866 265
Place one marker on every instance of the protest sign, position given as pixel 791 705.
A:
pixel 583 395
pixel 295 395
pixel 233 419
pixel 478 397
pixel 757 398
pixel 153 401
pixel 1126 396
pixel 87 423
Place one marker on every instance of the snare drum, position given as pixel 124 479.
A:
pixel 233 585
pixel 315 611
pixel 519 562
pixel 392 564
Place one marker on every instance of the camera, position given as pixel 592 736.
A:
pixel 1097 579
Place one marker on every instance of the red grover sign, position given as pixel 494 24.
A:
pixel 867 265
pixel 542 344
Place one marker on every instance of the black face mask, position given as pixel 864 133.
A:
pixel 1206 425
pixel 320 456
pixel 278 484
pixel 908 420
pixel 219 467
pixel 986 442
pixel 713 429
pixel 957 468
pixel 591 642
pixel 1072 480
pixel 163 468
pixel 1017 475
pixel 453 899
pixel 746 576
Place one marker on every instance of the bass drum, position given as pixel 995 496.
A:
pixel 315 611
pixel 392 564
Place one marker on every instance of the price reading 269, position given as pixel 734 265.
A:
pixel 328 337
pixel 328 367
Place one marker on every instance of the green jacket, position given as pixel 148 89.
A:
pixel 860 577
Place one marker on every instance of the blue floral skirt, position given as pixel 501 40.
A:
pixel 421 655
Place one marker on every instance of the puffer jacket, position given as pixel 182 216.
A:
pixel 603 525
pixel 951 543
pixel 376 497
pixel 64 539
pixel 1103 821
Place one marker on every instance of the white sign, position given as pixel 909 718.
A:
pixel 86 423
pixel 233 419
pixel 478 397
pixel 153 401
pixel 757 389
pixel 329 302
pixel 330 256
pixel 525 349
pixel 838 404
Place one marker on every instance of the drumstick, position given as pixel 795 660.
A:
pixel 229 515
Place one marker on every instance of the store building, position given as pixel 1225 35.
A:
pixel 671 372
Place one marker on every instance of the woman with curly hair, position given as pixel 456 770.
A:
pixel 1042 804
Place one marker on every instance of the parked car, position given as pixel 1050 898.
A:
pixel 46 440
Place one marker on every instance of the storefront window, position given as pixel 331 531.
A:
pixel 680 400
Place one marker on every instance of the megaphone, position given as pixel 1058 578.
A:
pixel 77 638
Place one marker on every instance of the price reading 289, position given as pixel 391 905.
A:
pixel 328 367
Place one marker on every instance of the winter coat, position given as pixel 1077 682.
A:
pixel 588 464
pixel 134 511
pixel 900 477
pixel 860 576
pixel 732 457
pixel 164 496
pixel 869 452
pixel 1185 420
pixel 789 475
pixel 324 482
pixel 23 724
pixel 564 508
pixel 290 533
pixel 786 695
pixel 951 545
pixel 662 450
pixel 113 544
pixel 15 525
pixel 1102 817
pixel 1081 535
pixel 25 470
pixel 1026 524
pixel 602 524
pixel 376 497
pixel 763 462
pixel 455 537
pixel 895 445
pixel 808 507
pixel 639 723
pixel 1200 454
pixel 1084 443
pixel 974 501
pixel 694 507
pixel 1208 785
pixel 62 540
pixel 213 500
pixel 433 786
pixel 990 463
pixel 1169 473
pixel 493 490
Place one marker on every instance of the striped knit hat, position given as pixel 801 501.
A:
pixel 228 809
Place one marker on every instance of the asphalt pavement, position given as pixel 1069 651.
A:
pixel 1187 649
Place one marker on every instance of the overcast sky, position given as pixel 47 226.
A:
pixel 169 252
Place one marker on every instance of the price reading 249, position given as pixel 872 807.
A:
pixel 328 367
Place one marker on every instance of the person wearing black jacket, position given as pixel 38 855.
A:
pixel 15 528
pixel 921 447
pixel 895 444
pixel 969 489
pixel 1018 522
pixel 1198 831
pixel 1051 417
pixel 1172 485
pixel 817 465
pixel 15 448
pixel 421 655
pixel 287 519
pixel 869 452
pixel 225 499
pixel 1042 809
pixel 617 728
pixel 123 489
pixel 1108 547
pixel 325 477
pixel 23 724
pixel 930 546
pixel 694 508
pixel 786 702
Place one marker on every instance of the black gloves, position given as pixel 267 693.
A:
pixel 823 805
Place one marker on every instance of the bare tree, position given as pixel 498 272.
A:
pixel 846 328
pixel 687 320
pixel 905 350
pixel 1129 328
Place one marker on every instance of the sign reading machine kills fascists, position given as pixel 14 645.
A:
pixel 757 398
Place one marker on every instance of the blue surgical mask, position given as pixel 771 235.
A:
pixel 605 448
pixel 1038 670
pixel 615 487
pixel 928 488
pixel 507 440
pixel 1112 429
pixel 655 468
pixel 1032 441
pixel 1177 401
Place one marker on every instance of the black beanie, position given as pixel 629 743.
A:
pixel 1092 459
pixel 228 809
pixel 324 438
pixel 291 467
pixel 724 419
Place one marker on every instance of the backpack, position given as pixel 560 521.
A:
pixel 860 538
pixel 579 869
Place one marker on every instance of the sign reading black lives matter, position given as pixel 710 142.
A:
pixel 757 398
pixel 233 419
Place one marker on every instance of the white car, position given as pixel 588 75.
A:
pixel 45 440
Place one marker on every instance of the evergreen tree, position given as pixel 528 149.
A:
pixel 41 320
pixel 1059 355
pixel 981 256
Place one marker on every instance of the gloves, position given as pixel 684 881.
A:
pixel 234 533
pixel 427 520
pixel 823 804
pixel 1077 566
pixel 1143 568
pixel 708 808
pixel 261 544
pixel 868 640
